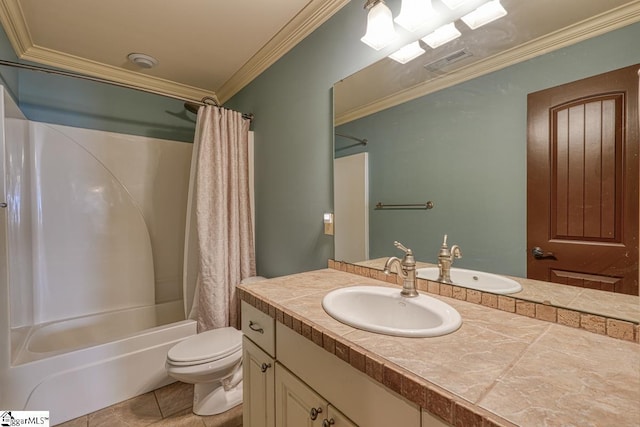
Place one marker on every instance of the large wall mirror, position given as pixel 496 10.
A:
pixel 455 133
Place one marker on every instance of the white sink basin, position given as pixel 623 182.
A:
pixel 474 279
pixel 383 310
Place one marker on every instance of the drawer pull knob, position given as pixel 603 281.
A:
pixel 314 413
pixel 327 423
pixel 265 366
pixel 255 327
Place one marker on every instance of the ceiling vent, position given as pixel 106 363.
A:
pixel 440 65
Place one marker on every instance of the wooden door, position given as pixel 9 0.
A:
pixel 582 183
pixel 258 386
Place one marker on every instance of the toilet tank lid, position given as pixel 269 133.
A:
pixel 207 346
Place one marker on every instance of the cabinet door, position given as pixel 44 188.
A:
pixel 258 386
pixel 296 404
pixel 335 418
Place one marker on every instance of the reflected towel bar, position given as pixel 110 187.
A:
pixel 351 146
pixel 362 141
pixel 427 205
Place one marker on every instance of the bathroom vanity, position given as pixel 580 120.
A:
pixel 305 385
pixel 302 367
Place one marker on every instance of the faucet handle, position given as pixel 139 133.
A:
pixel 402 247
pixel 444 249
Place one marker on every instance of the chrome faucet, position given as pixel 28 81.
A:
pixel 406 268
pixel 445 260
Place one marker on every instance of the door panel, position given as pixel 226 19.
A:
pixel 582 182
pixel 258 386
pixel 335 418
pixel 296 404
pixel 591 281
pixel 585 197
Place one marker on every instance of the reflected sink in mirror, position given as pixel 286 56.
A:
pixel 383 310
pixel 472 279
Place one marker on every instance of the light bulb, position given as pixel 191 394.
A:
pixel 486 13
pixel 380 31
pixel 442 35
pixel 407 53
pixel 414 14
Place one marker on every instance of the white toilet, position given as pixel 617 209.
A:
pixel 212 361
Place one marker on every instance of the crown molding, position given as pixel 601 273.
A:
pixel 84 66
pixel 18 34
pixel 608 21
pixel 303 24
pixel 15 26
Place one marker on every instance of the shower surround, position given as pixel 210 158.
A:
pixel 91 262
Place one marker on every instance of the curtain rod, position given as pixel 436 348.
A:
pixel 362 141
pixel 192 102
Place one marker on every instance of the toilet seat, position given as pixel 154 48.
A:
pixel 206 347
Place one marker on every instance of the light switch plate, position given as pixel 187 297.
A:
pixel 328 224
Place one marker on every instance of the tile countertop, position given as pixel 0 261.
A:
pixel 604 303
pixel 499 368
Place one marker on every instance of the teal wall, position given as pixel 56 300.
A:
pixel 293 125
pixel 464 148
pixel 8 76
pixel 81 103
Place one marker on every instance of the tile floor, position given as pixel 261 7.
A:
pixel 168 406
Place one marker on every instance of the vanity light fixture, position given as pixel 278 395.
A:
pixel 414 14
pixel 380 31
pixel 486 13
pixel 407 53
pixel 453 4
pixel 442 35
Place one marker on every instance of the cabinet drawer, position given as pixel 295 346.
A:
pixel 259 327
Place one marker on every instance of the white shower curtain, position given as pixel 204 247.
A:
pixel 223 215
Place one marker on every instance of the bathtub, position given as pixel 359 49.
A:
pixel 77 366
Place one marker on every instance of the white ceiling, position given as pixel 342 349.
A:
pixel 204 47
